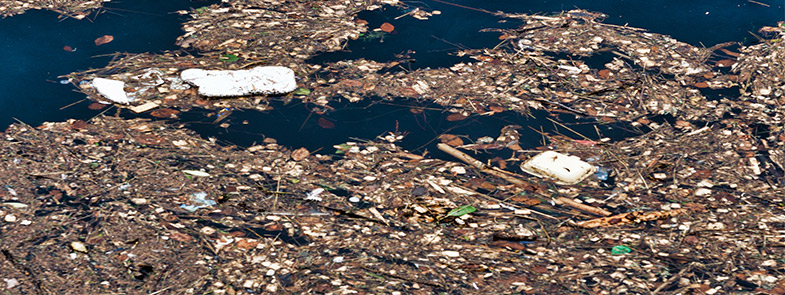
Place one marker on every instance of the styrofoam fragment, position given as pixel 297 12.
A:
pixel 259 80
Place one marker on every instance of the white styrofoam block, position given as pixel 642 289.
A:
pixel 112 90
pixel 560 167
pixel 259 80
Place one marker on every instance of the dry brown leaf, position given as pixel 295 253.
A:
pixel 103 40
pixel 387 27
pixel 300 154
pixel 164 113
pixel 701 85
pixel 725 63
pixel 456 117
pixel 451 140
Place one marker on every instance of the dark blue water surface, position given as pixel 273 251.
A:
pixel 428 42
pixel 32 54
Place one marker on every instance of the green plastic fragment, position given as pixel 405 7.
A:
pixel 460 211
pixel 620 249
pixel 230 58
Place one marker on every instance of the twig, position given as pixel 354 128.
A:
pixel 489 170
pixel 72 104
pixel 759 3
pixel 673 278
pixel 629 218
pixel 582 207
pixel 568 128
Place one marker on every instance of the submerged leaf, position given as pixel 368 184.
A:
pixel 326 124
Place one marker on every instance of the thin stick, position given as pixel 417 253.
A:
pixel 673 278
pixel 582 207
pixel 759 3
pixel 568 128
pixel 466 7
pixel 483 168
pixel 72 104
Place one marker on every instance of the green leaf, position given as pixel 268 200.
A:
pixel 229 58
pixel 201 10
pixel 375 275
pixel 461 211
pixel 342 148
pixel 302 91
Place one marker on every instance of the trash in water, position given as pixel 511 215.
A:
pixel 259 80
pixel 112 90
pixel 602 173
pixel 563 168
pixel 314 195
pixel 620 249
pixel 200 202
pixel 196 173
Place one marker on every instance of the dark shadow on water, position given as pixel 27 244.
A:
pixel 299 124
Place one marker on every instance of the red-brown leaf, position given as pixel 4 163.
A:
pixel 387 27
pixel 456 117
pixel 103 40
pixel 326 124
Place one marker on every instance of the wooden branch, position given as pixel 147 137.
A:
pixel 479 165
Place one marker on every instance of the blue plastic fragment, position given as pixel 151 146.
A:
pixel 602 173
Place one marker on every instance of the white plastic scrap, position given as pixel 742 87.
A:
pixel 200 201
pixel 560 167
pixel 196 173
pixel 259 80
pixel 10 283
pixel 10 190
pixel 314 195
pixel 112 90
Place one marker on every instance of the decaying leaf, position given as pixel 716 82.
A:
pixel 326 124
pixel 300 154
pixel 164 113
pixel 103 40
pixel 451 140
pixel 456 117
pixel 387 27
